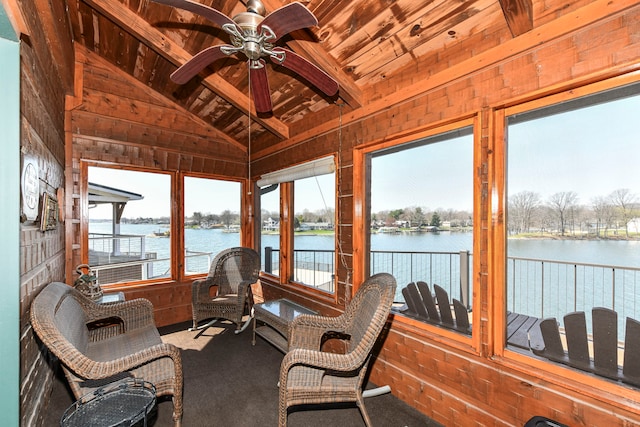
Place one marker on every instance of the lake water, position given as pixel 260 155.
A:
pixel 533 288
pixel 607 252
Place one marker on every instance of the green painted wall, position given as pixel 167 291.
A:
pixel 9 224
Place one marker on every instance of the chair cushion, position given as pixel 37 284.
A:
pixel 124 344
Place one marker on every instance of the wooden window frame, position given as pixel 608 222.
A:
pixel 362 207
pixel 592 386
pixel 287 248
pixel 176 227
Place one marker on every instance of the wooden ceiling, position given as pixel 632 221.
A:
pixel 373 48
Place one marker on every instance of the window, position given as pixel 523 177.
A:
pixel 130 235
pixel 421 213
pixel 314 232
pixel 308 194
pixel 212 220
pixel 129 225
pixel 270 228
pixel 574 209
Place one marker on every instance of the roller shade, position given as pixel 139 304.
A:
pixel 317 167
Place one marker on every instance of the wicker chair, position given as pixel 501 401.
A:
pixel 98 344
pixel 310 376
pixel 233 271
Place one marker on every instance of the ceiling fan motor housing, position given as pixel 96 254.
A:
pixel 253 44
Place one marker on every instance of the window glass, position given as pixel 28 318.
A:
pixel 270 221
pixel 129 219
pixel 573 212
pixel 421 226
pixel 314 232
pixel 212 220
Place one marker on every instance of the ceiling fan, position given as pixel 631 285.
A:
pixel 255 36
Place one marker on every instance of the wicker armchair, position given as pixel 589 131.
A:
pixel 232 271
pixel 98 344
pixel 310 376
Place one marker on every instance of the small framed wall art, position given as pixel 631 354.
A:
pixel 49 214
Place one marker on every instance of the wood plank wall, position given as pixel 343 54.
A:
pixel 42 137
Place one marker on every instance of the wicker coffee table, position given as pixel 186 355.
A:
pixel 276 316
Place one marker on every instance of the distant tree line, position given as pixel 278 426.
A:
pixel 414 216
pixel 563 214
pixel 321 215
pixel 226 218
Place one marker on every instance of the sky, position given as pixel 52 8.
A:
pixel 201 195
pixel 591 152
pixel 432 176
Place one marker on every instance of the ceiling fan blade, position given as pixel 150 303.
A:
pixel 197 63
pixel 288 18
pixel 307 70
pixel 260 88
pixel 203 10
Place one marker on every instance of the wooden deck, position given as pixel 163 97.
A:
pixel 524 331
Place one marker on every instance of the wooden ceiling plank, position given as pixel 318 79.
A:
pixel 437 37
pixel 363 36
pixel 421 28
pixel 175 54
pixel 519 15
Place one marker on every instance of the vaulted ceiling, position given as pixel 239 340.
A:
pixel 373 49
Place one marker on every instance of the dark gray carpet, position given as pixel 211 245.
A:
pixel 228 383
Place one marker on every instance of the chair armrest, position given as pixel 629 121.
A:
pixel 306 331
pixel 135 314
pixel 200 289
pixel 318 359
pixel 91 369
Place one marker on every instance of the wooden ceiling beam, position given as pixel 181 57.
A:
pixel 303 45
pixel 174 53
pixel 52 19
pixel 519 15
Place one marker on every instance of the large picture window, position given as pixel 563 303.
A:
pixel 573 228
pixel 421 225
